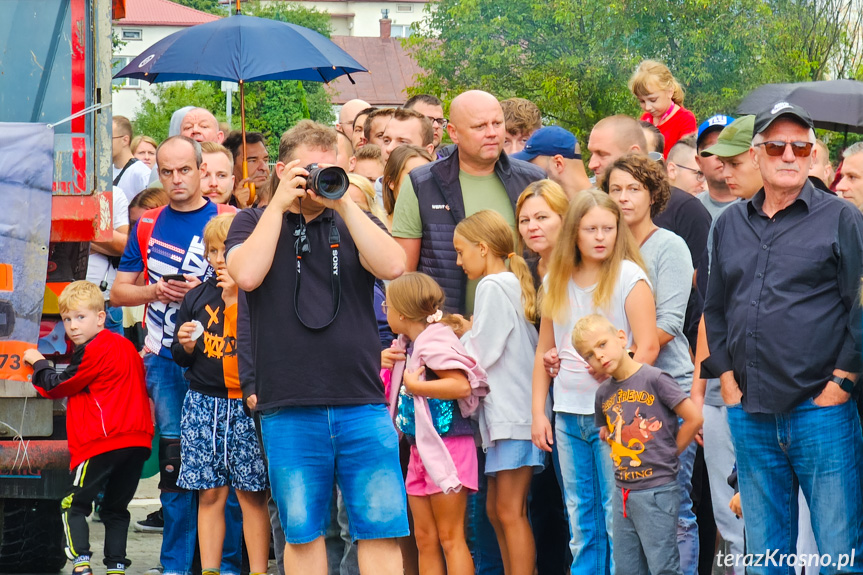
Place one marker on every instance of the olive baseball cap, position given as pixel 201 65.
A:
pixel 734 139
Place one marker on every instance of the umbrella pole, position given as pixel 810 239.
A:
pixel 243 130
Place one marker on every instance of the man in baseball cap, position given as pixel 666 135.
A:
pixel 717 197
pixel 732 148
pixel 766 117
pixel 557 152
pixel 799 250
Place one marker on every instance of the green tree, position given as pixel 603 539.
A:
pixel 573 59
pixel 211 6
pixel 272 107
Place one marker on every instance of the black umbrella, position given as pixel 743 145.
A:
pixel 835 105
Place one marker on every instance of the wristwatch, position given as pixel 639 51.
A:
pixel 846 384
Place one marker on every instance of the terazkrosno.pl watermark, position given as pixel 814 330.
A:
pixel 773 558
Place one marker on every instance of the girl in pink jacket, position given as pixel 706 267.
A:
pixel 438 389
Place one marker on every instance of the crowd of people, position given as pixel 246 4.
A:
pixel 494 362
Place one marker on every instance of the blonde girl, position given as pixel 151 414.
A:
pixel 595 268
pixel 660 95
pixel 502 338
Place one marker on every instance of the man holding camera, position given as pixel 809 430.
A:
pixel 308 263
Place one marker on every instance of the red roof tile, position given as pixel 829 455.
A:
pixel 162 13
pixel 391 69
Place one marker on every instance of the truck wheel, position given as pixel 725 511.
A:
pixel 31 536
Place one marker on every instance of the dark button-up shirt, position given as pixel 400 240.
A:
pixel 783 309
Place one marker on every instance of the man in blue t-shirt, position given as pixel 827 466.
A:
pixel 174 247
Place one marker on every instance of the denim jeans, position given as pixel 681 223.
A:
pixel 645 540
pixel 167 388
pixel 719 457
pixel 687 528
pixel 817 448
pixel 588 483
pixel 232 546
pixel 481 538
pixel 308 447
pixel 114 319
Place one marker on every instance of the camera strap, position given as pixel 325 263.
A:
pixel 302 247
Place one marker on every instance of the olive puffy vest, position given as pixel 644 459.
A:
pixel 441 208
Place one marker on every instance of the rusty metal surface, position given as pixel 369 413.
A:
pixel 29 458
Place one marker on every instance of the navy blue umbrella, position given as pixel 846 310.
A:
pixel 242 49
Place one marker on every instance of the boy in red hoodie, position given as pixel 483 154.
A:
pixel 108 423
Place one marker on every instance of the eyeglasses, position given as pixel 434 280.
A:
pixel 800 149
pixel 384 306
pixel 441 121
pixel 699 175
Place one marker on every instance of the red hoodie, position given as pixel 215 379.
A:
pixel 108 407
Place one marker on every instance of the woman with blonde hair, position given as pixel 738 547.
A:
pixel 539 214
pixel 595 267
pixel 144 148
pixel 660 95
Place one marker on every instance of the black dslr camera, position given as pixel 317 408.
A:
pixel 331 182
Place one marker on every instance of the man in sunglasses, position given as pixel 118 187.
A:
pixel 783 329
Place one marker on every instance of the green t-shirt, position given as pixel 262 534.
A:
pixel 478 193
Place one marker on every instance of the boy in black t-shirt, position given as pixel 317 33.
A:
pixel 636 411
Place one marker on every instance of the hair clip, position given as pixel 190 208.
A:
pixel 435 317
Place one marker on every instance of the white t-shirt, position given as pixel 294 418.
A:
pixel 135 178
pixel 99 269
pixel 574 388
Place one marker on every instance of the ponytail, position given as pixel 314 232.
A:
pixel 519 267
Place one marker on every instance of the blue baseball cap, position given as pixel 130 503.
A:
pixel 549 141
pixel 711 124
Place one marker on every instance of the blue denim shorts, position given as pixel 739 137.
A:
pixel 308 448
pixel 508 454
pixel 219 446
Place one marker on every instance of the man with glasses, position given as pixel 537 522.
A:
pixel 432 108
pixel 683 171
pixel 348 114
pixel 783 328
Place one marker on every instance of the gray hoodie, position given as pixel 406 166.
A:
pixel 503 342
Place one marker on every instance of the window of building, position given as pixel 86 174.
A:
pixel 404 8
pixel 131 34
pixel 400 31
pixel 117 64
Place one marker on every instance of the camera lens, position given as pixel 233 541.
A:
pixel 329 182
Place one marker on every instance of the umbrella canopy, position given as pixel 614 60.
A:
pixel 242 48
pixel 835 105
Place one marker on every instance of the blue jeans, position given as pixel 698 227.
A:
pixel 232 546
pixel 817 448
pixel 167 388
pixel 482 540
pixel 687 528
pixel 306 447
pixel 114 319
pixel 588 483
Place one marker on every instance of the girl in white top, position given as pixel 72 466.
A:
pixel 502 338
pixel 595 268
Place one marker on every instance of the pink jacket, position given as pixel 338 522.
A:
pixel 437 348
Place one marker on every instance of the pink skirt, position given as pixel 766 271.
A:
pixel 462 449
